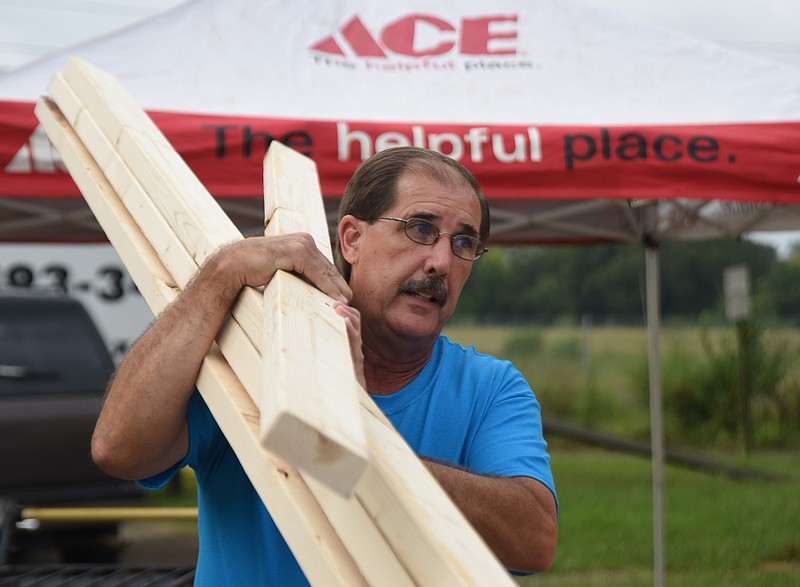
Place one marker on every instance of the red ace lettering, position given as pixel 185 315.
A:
pixel 399 36
pixel 478 35
pixel 485 35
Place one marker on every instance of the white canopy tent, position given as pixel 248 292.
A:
pixel 566 114
pixel 582 126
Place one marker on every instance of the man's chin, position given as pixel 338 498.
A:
pixel 416 327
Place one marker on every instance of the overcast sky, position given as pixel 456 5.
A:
pixel 767 28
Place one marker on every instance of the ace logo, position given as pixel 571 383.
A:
pixel 421 36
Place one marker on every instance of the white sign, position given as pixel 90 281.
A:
pixel 736 285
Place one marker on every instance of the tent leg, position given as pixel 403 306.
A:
pixel 656 417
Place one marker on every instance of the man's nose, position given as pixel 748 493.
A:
pixel 439 257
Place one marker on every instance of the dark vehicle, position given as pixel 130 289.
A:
pixel 54 367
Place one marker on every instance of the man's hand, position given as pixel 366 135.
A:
pixel 253 261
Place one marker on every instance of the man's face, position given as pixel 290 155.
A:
pixel 404 290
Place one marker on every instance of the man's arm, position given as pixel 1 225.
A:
pixel 515 516
pixel 142 427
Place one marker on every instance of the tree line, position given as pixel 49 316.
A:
pixel 548 284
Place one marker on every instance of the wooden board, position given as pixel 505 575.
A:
pixel 310 411
pixel 314 426
pixel 314 541
pixel 425 539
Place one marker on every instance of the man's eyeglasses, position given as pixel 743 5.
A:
pixel 423 232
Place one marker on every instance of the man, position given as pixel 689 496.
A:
pixel 411 224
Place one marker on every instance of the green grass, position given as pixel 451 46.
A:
pixel 718 531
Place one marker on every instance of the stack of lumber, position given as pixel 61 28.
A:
pixel 351 499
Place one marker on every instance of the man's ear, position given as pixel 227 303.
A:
pixel 349 236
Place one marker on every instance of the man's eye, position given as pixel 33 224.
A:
pixel 464 243
pixel 422 228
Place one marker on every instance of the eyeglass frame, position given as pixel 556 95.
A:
pixel 439 233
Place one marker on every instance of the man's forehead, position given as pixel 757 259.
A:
pixel 419 186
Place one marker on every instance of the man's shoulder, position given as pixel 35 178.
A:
pixel 454 351
pixel 453 355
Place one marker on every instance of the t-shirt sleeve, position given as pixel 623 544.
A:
pixel 202 428
pixel 509 440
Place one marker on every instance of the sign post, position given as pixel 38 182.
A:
pixel 736 284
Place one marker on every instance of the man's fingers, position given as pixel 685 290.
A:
pixel 352 321
pixel 327 278
pixel 302 256
pixel 256 260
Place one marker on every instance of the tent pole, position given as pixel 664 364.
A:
pixel 656 418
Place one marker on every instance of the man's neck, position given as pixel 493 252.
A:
pixel 385 376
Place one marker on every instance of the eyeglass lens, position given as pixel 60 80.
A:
pixel 424 232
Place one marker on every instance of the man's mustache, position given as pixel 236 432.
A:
pixel 432 286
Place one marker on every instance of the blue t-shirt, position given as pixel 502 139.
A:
pixel 464 407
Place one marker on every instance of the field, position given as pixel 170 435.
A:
pixel 719 530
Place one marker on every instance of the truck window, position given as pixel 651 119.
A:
pixel 50 348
